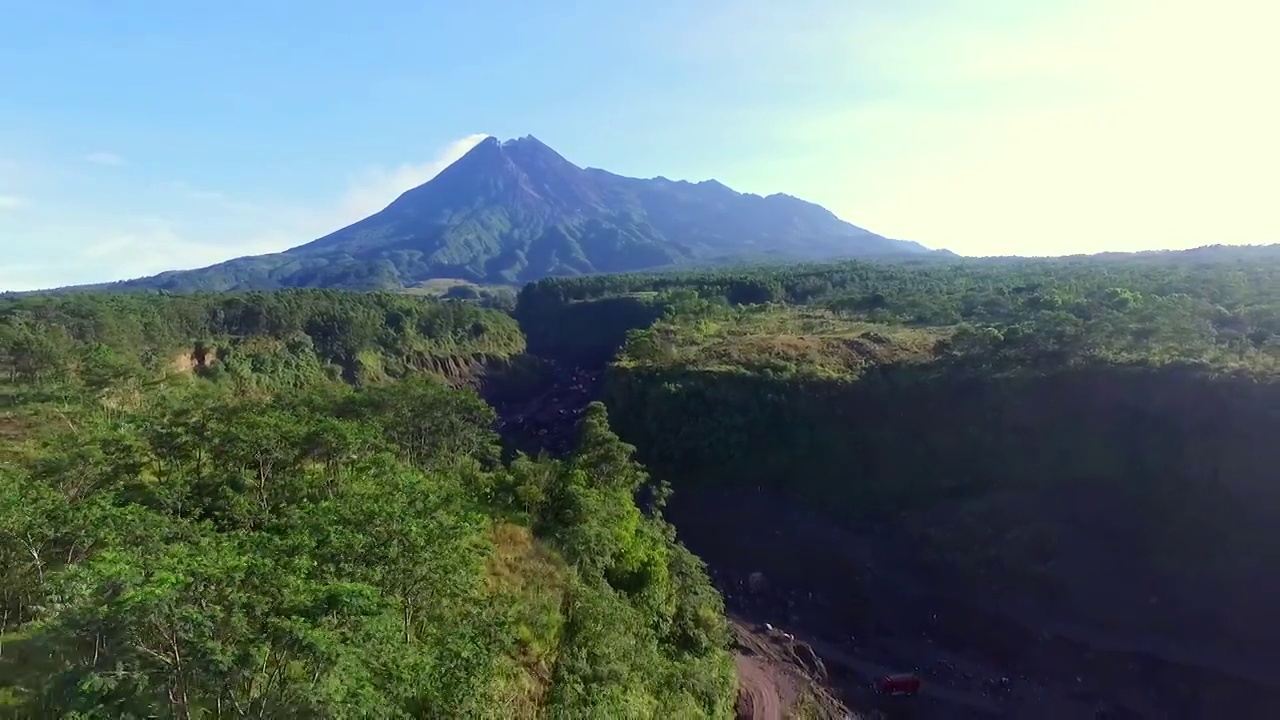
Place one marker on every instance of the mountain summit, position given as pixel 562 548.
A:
pixel 516 210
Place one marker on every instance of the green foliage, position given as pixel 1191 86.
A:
pixel 875 390
pixel 642 603
pixel 502 297
pixel 1219 306
pixel 323 551
pixel 777 341
pixel 587 331
pixel 256 537
pixel 255 341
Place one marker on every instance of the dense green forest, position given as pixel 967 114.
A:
pixel 995 399
pixel 775 373
pixel 268 503
pixel 1217 305
pixel 290 337
pixel 262 540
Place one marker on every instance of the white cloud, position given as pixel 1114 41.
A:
pixel 104 158
pixel 366 193
pixel 280 227
pixel 376 187
pixel 11 202
pixel 212 227
pixel 157 246
pixel 133 247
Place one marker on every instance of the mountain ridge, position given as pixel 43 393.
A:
pixel 516 210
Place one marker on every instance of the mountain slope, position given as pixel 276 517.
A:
pixel 516 211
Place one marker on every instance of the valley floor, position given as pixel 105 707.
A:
pixel 863 606
pixel 883 617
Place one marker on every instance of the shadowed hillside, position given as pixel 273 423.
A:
pixel 1045 470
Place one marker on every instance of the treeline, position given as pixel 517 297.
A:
pixel 942 292
pixel 293 336
pixel 1016 424
pixel 1217 305
pixel 899 385
pixel 339 553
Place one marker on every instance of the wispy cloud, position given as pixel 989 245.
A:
pixel 376 187
pixel 125 248
pixel 195 227
pixel 104 158
pixel 11 202
pixel 215 198
pixel 153 245
pixel 366 192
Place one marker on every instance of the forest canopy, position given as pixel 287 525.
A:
pixel 266 503
pixel 286 337
pixel 252 536
pixel 1215 306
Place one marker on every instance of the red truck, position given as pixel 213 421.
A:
pixel 898 684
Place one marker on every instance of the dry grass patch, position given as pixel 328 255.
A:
pixel 533 580
pixel 789 340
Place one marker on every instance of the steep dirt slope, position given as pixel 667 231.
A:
pixel 782 676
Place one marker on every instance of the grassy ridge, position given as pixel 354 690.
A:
pixel 780 341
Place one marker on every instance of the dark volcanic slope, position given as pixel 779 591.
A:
pixel 515 211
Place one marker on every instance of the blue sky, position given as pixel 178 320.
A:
pixel 138 136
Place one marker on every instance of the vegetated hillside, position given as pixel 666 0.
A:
pixel 286 338
pixel 262 540
pixel 1059 453
pixel 1038 466
pixel 1219 305
pixel 515 211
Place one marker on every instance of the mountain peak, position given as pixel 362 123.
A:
pixel 534 156
pixel 525 141
pixel 516 210
pixel 525 154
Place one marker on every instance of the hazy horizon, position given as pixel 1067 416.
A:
pixel 144 139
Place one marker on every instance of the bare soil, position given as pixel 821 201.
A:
pixel 778 677
pixel 759 694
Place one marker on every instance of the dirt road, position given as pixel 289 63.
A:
pixel 759 697
pixel 776 682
